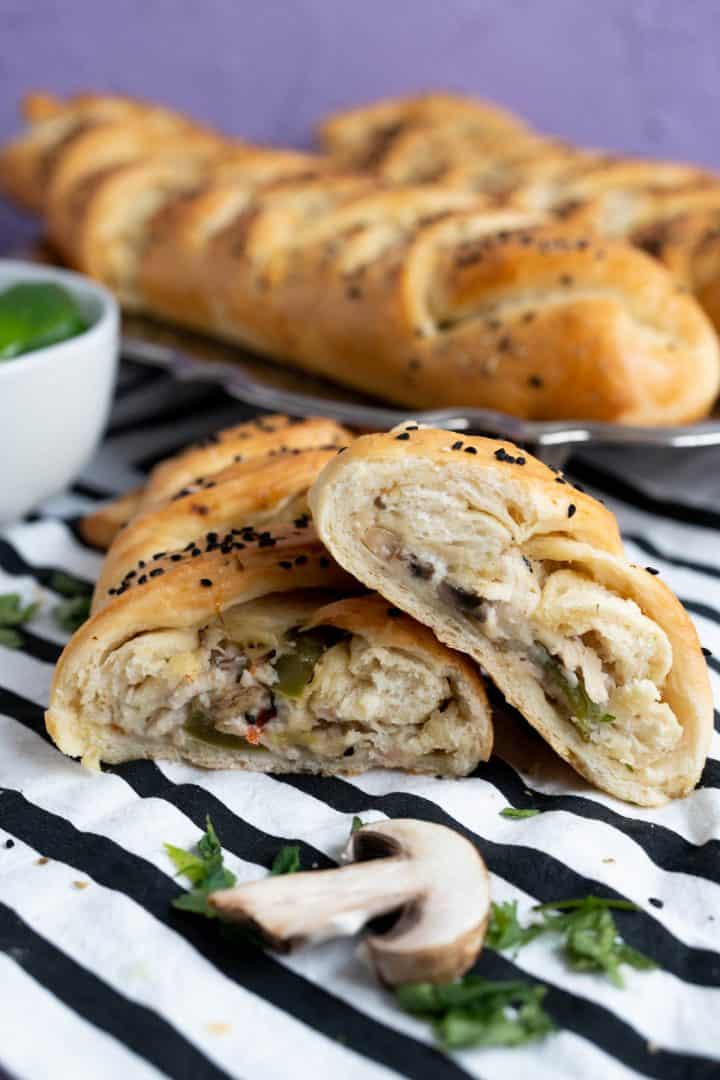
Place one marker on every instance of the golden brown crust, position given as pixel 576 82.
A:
pixel 27 162
pixel 360 137
pixel 258 492
pixel 102 526
pixel 263 436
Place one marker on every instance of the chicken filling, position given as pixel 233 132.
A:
pixel 249 682
pixel 600 661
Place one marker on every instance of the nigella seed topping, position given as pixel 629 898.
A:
pixel 195 552
pixel 457 445
pixel 571 510
pixel 394 612
pixel 205 582
pixel 141 564
pixel 142 580
pixel 175 558
pixel 471 450
pixel 159 555
pixel 285 564
pixel 560 480
pixel 301 560
pixel 112 592
pixel 402 436
pixel 652 570
pixel 157 571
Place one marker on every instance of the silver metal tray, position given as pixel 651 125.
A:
pixel 258 381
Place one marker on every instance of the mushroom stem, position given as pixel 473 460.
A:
pixel 430 875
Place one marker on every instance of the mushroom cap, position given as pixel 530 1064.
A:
pixel 439 934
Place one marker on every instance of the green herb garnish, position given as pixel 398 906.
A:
pixel 287 860
pixel 357 823
pixel 204 867
pixel 505 931
pixel 591 941
pixel 477 1012
pixel 13 614
pixel 36 314
pixel 72 612
pixel 513 812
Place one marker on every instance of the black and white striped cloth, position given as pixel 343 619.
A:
pixel 100 977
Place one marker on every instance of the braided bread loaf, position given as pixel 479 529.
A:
pixel 419 295
pixel 432 140
pixel 247 647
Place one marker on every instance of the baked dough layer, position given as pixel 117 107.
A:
pixel 509 563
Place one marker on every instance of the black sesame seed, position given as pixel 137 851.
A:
pixel 142 580
pixel 394 612
pixel 471 450
pixel 157 572
pixel 205 582
pixel 175 558
pixel 535 381
pixel 501 454
pixel 403 436
pixel 211 537
pixel 190 546
pixel 324 562
pixel 112 592
pixel 159 554
pixel 652 570
pixel 130 574
pixel 141 564
pixel 655 902
pixel 457 445
pixel 9 843
pixel 195 552
pixel 342 449
pixel 285 564
pixel 571 510
pixel 301 560
pixel 520 460
pixel 560 480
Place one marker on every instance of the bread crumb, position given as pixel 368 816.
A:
pixel 42 860
pixel 81 884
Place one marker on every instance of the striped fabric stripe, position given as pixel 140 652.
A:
pixel 92 950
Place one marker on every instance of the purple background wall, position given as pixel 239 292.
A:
pixel 639 75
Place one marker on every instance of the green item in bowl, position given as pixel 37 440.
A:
pixel 33 316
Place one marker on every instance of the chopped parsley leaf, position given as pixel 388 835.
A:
pixel 477 1012
pixel 591 941
pixel 287 860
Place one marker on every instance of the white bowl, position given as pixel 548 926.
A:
pixel 54 402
